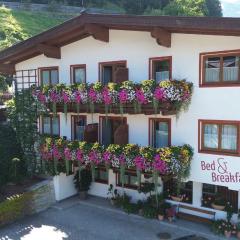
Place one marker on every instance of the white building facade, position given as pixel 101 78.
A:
pixel 211 124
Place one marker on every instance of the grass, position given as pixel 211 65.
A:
pixel 17 25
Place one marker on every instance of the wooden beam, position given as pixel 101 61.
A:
pixel 98 32
pixel 8 69
pixel 49 51
pixel 163 37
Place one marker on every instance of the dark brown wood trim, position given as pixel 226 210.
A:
pixel 163 37
pixel 167 120
pixel 217 151
pixel 40 70
pixel 49 51
pixel 73 67
pixel 101 64
pixel 203 56
pixel 150 65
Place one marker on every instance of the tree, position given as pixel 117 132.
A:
pixel 186 8
pixel 214 8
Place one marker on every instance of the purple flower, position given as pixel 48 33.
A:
pixel 93 157
pixel 140 96
pixel 106 96
pixel 66 97
pixel 159 164
pixel 79 155
pixel 123 96
pixel 92 95
pixel 77 96
pixel 159 94
pixel 54 96
pixel 56 153
pixel 140 163
pixel 122 160
pixel 107 157
pixel 67 154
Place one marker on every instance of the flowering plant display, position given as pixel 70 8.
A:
pixel 171 93
pixel 130 156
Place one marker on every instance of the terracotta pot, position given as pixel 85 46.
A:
pixel 160 217
pixel 218 207
pixel 227 234
pixel 238 235
pixel 176 198
pixel 83 195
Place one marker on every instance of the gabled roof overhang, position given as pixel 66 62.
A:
pixel 98 25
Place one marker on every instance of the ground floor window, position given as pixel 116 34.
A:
pixel 50 125
pixel 218 195
pixel 101 175
pixel 169 189
pixel 130 180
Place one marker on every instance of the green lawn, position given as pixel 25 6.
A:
pixel 33 23
pixel 17 25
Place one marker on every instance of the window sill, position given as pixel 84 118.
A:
pixel 236 154
pixel 209 85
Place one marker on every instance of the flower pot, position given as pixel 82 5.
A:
pixel 160 217
pixel 177 198
pixel 218 207
pixel 83 195
pixel 238 234
pixel 227 234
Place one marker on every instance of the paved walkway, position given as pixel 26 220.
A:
pixel 95 219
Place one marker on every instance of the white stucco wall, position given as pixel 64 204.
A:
pixel 137 47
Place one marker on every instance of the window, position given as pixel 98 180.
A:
pixel 113 72
pixel 49 76
pixel 220 69
pixel 101 175
pixel 50 125
pixel 130 180
pixel 169 187
pixel 78 127
pixel 108 128
pixel 78 74
pixel 160 132
pixel 219 136
pixel 210 192
pixel 160 68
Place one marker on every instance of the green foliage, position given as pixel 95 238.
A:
pixel 10 30
pixel 83 180
pixel 10 171
pixel 214 8
pixel 15 207
pixel 148 211
pixel 186 8
pixel 131 208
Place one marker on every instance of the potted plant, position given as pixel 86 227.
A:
pixel 238 230
pixel 161 213
pixel 82 182
pixel 219 203
pixel 114 195
pixel 227 227
pixel 171 213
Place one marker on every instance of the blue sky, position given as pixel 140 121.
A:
pixel 231 8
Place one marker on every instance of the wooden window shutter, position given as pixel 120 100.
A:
pixel 120 75
pixel 121 134
pixel 91 133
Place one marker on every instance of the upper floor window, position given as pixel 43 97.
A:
pixel 116 72
pixel 220 69
pixel 78 73
pixel 160 132
pixel 49 76
pixel 78 127
pixel 219 136
pixel 160 68
pixel 51 125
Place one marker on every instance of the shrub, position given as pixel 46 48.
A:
pixel 131 208
pixel 149 211
pixel 10 171
pixel 83 183
pixel 15 207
